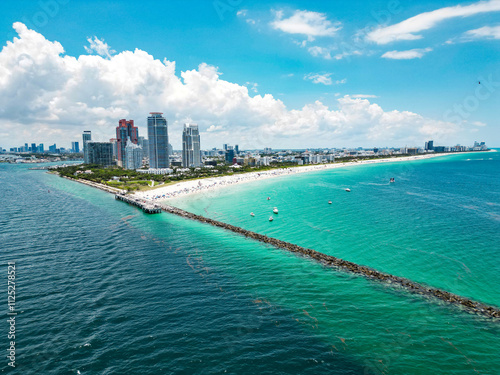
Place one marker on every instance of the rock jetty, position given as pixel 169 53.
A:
pixel 331 261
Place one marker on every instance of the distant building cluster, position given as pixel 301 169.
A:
pixel 155 155
pixel 40 149
pixel 131 151
pixel 429 147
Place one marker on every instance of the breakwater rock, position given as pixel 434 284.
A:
pixel 107 189
pixel 331 261
pixel 148 208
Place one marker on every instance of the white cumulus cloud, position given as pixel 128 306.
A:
pixel 100 47
pixel 48 96
pixel 253 86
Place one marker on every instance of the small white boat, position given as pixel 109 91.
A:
pixel 268 198
pixel 271 218
pixel 252 214
pixel 275 210
pixel 348 190
pixel 329 202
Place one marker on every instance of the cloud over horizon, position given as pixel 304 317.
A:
pixel 50 96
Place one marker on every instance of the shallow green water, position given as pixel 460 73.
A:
pixel 106 289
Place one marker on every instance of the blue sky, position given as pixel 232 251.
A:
pixel 367 73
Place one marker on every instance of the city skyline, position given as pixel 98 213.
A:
pixel 190 140
pixel 426 145
pixel 341 75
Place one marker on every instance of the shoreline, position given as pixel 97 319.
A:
pixel 476 307
pixel 185 188
pixel 106 188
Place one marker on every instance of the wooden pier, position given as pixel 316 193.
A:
pixel 143 205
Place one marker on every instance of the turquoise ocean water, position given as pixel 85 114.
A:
pixel 104 289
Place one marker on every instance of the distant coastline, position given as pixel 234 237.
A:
pixel 198 186
pixel 476 307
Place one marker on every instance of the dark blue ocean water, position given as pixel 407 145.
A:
pixel 104 289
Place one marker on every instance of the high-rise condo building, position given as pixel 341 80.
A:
pixel 114 143
pixel 125 131
pixel 86 137
pixel 158 141
pixel 229 155
pixel 33 147
pixel 191 156
pixel 75 147
pixel 144 143
pixel 100 153
pixel 133 156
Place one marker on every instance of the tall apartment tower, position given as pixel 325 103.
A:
pixel 144 143
pixel 133 156
pixel 125 131
pixel 100 153
pixel 86 137
pixel 191 156
pixel 158 141
pixel 115 151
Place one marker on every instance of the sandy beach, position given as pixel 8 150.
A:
pixel 184 188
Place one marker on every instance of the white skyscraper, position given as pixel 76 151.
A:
pixel 191 155
pixel 133 156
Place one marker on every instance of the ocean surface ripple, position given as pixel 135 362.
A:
pixel 104 289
